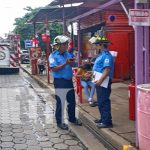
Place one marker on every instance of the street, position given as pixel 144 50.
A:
pixel 27 119
pixel 26 122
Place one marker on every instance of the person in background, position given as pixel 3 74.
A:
pixel 70 48
pixel 61 65
pixel 103 65
pixel 41 62
pixel 85 73
pixel 71 51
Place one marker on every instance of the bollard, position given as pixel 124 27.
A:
pixel 127 147
pixel 131 101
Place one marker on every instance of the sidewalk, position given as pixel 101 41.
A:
pixel 123 132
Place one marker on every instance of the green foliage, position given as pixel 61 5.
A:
pixel 55 29
pixel 26 30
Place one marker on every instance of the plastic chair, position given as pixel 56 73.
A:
pixel 77 85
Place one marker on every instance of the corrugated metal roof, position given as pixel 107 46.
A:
pixel 89 3
pixel 52 14
pixel 61 2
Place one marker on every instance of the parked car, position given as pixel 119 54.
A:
pixel 24 57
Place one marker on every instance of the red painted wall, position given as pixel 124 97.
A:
pixel 122 37
pixel 122 43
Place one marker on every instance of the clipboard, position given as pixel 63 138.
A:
pixel 97 76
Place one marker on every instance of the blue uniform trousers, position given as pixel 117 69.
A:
pixel 104 103
pixel 64 90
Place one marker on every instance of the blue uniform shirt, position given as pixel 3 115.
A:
pixel 71 53
pixel 105 59
pixel 56 59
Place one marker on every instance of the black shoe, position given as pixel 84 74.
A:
pixel 95 102
pixel 102 125
pixel 77 122
pixel 97 121
pixel 63 126
pixel 92 104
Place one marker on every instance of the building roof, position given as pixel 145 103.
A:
pixel 92 3
pixel 62 2
pixel 54 12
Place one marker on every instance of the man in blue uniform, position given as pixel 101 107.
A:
pixel 103 69
pixel 61 64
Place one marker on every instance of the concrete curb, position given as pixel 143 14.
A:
pixel 106 136
pixel 40 82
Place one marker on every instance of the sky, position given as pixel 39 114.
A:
pixel 11 9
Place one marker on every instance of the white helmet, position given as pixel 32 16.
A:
pixel 61 39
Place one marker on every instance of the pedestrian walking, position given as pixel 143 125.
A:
pixel 103 70
pixel 61 65
pixel 41 62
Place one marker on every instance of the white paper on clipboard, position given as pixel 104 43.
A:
pixel 97 76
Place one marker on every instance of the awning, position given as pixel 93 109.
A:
pixel 51 13
pixel 75 13
pixel 85 2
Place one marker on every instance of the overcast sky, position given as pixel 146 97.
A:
pixel 11 9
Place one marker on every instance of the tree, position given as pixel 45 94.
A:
pixel 27 30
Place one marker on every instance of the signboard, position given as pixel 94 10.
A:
pixel 28 44
pixel 139 17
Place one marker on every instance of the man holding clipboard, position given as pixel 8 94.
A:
pixel 103 72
